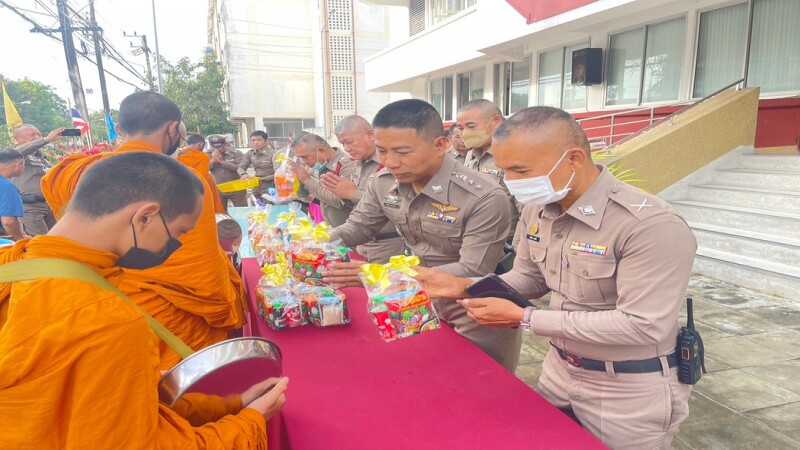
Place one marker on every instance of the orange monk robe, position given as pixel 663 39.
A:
pixel 199 161
pixel 197 293
pixel 9 254
pixel 79 368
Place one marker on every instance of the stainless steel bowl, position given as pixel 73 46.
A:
pixel 227 368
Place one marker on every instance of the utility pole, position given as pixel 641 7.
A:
pixel 138 50
pixel 72 58
pixel 98 54
pixel 158 54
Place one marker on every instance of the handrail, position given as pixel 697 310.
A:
pixel 671 116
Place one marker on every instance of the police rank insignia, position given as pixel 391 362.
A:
pixel 532 233
pixel 392 200
pixel 588 248
pixel 492 172
pixel 587 210
pixel 444 208
pixel 441 217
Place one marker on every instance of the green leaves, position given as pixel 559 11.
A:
pixel 46 109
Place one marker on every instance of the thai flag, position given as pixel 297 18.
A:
pixel 78 122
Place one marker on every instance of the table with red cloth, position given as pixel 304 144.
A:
pixel 350 390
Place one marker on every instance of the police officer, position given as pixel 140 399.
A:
pixel 260 158
pixel 318 158
pixel 38 217
pixel 617 261
pixel 451 217
pixel 225 167
pixel 458 149
pixel 477 120
pixel 358 139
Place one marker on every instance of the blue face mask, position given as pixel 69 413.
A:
pixel 319 166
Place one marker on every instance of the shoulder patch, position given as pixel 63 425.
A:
pixel 637 202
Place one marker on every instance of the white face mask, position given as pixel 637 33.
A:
pixel 538 190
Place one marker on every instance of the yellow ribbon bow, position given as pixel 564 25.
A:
pixel 301 228
pixel 290 217
pixel 257 217
pixel 280 158
pixel 277 273
pixel 320 233
pixel 376 275
pixel 403 264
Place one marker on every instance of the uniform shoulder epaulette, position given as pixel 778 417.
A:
pixel 472 181
pixel 639 203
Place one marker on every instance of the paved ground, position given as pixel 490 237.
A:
pixel 750 399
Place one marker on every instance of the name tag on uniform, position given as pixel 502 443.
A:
pixel 492 172
pixel 534 238
pixel 589 248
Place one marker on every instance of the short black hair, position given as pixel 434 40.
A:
pixel 120 180
pixel 195 139
pixel 411 113
pixel 310 139
pixel 260 133
pixel 146 112
pixel 8 155
pixel 451 129
pixel 487 107
pixel 350 123
pixel 539 116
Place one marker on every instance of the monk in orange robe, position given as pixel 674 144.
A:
pixel 79 366
pixel 193 156
pixel 197 293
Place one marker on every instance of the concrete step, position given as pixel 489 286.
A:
pixel 759 274
pixel 747 243
pixel 788 163
pixel 778 223
pixel 776 200
pixel 773 179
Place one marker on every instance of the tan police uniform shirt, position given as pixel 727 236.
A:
pixel 617 262
pixel 483 162
pixel 387 242
pixel 334 209
pixel 227 170
pixel 261 162
pixel 457 156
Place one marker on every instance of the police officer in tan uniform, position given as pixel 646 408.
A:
pixel 358 139
pixel 477 120
pixel 458 149
pixel 451 217
pixel 319 158
pixel 224 167
pixel 260 158
pixel 617 262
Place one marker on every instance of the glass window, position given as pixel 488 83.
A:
pixel 470 85
pixel 720 49
pixel 550 75
pixel 520 85
pixel 774 62
pixel 624 68
pixel 442 96
pixel 463 89
pixel 574 97
pixel 502 77
pixel 663 61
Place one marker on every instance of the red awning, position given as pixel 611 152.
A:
pixel 535 10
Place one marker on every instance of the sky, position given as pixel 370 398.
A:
pixel 182 31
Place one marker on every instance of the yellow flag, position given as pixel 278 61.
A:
pixel 12 116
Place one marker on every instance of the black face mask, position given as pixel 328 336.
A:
pixel 141 259
pixel 173 147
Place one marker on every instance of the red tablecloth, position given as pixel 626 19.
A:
pixel 350 390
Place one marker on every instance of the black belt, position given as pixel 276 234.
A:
pixel 638 366
pixel 386 236
pixel 32 198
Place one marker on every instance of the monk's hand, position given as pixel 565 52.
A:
pixel 493 312
pixel 344 274
pixel 257 390
pixel 438 284
pixel 54 135
pixel 299 171
pixel 271 402
pixel 340 186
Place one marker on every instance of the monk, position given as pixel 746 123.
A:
pixel 193 156
pixel 196 293
pixel 79 366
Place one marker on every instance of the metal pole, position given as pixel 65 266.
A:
pixel 146 50
pixel 72 59
pixel 158 53
pixel 99 57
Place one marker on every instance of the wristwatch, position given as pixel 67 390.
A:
pixel 525 323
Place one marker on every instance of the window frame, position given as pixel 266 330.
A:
pixel 563 49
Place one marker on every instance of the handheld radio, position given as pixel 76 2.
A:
pixel 690 349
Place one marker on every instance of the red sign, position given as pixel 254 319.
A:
pixel 536 10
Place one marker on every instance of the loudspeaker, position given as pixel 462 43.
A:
pixel 587 66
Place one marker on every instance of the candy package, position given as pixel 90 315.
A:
pixel 323 306
pixel 397 304
pixel 278 304
pixel 311 253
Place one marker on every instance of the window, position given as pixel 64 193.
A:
pixel 720 49
pixel 512 84
pixel 774 60
pixel 644 65
pixel 470 86
pixel 555 80
pixel 286 128
pixel 441 95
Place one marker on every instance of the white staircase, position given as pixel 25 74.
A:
pixel 745 213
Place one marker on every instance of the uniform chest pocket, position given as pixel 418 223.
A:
pixel 592 280
pixel 263 163
pixel 443 236
pixel 401 223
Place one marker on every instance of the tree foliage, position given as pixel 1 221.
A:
pixel 97 123
pixel 197 89
pixel 46 110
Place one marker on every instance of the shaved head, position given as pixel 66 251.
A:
pixel 486 107
pixel 545 118
pixel 350 123
pixel 146 112
pixel 25 133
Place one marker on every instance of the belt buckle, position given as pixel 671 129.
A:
pixel 572 359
